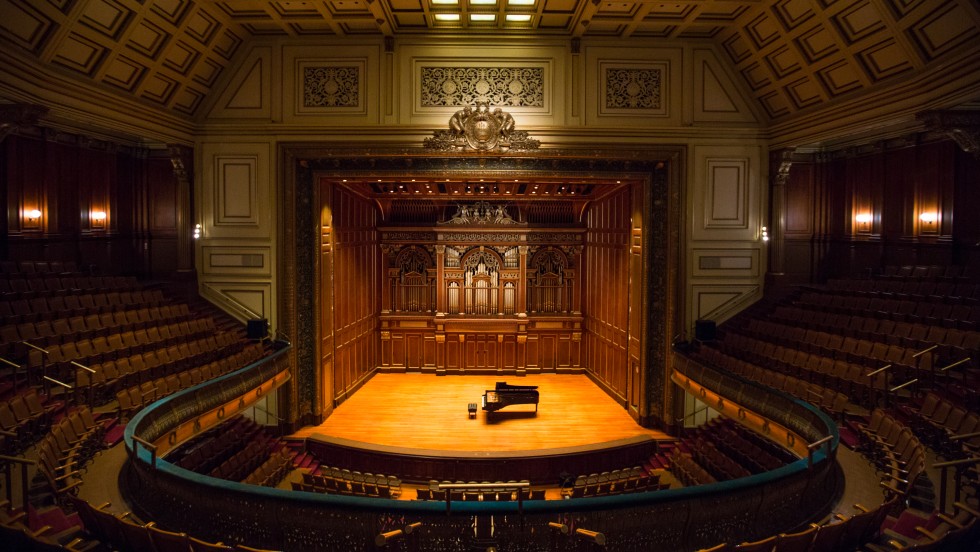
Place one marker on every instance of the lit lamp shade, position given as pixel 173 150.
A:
pixel 32 218
pixel 864 221
pixel 98 218
pixel 928 222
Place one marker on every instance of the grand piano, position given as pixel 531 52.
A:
pixel 504 394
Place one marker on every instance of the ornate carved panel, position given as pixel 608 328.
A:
pixel 331 86
pixel 462 86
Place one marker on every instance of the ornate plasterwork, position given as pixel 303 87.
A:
pixel 482 213
pixel 461 86
pixel 15 116
pixel 634 89
pixel 963 127
pixel 483 129
pixel 468 237
pixel 328 86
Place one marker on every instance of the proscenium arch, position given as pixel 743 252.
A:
pixel 656 252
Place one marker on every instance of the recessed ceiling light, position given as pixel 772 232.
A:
pixel 518 17
pixel 520 2
pixel 483 2
pixel 447 17
pixel 445 2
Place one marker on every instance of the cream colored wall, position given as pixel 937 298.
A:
pixel 701 106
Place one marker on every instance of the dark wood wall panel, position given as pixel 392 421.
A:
pixel 606 276
pixel 356 287
pixel 68 178
pixel 895 183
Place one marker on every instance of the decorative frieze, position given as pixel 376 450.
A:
pixel 461 86
pixel 482 213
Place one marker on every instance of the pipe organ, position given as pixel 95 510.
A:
pixel 481 293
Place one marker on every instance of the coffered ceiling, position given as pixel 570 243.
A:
pixel 792 54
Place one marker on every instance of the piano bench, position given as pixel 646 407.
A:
pixel 472 410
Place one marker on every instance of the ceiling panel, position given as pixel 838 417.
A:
pixel 792 54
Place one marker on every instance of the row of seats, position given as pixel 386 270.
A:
pixel 101 380
pixel 756 454
pixel 720 465
pixel 273 470
pixel 685 468
pixel 829 400
pixel 60 330
pixel 245 461
pixel 132 399
pixel 958 343
pixel 23 419
pixel 47 285
pixel 66 449
pixel 911 530
pixel 923 272
pixel 958 315
pixel 38 267
pixel 103 348
pixel 872 354
pixel 856 381
pixel 17 311
pixel 945 426
pixel 953 291
pixel 895 450
pixel 630 480
pixel 373 487
pixel 205 452
pixel 124 532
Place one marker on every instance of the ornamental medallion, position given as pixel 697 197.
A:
pixel 481 128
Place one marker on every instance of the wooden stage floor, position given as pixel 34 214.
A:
pixel 429 412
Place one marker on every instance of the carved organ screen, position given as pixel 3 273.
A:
pixel 548 288
pixel 413 288
pixel 481 287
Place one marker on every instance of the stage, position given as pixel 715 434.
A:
pixel 426 411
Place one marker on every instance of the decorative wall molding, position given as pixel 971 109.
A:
pixel 446 86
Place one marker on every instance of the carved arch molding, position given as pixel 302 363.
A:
pixel 658 170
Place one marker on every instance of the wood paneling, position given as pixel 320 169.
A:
pixel 69 177
pixel 895 182
pixel 606 275
pixel 355 288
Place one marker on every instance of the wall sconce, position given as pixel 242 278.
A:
pixel 33 217
pixel 929 222
pixel 197 231
pixel 863 221
pixel 98 219
pixel 765 234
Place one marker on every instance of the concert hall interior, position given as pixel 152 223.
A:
pixel 474 275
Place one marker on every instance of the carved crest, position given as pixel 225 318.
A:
pixel 481 212
pixel 481 128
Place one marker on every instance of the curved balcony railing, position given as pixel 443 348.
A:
pixel 677 519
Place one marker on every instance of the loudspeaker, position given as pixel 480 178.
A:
pixel 704 330
pixel 257 328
